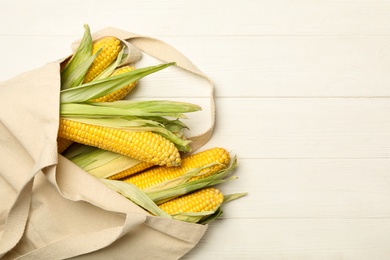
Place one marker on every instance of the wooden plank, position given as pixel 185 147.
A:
pixel 241 66
pixel 303 127
pixel 246 17
pixel 291 66
pixel 296 128
pixel 310 188
pixel 295 239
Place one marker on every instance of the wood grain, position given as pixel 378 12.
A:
pixel 295 239
pixel 244 67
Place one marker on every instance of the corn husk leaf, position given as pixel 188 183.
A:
pixel 171 193
pixel 175 126
pixel 164 194
pixel 234 196
pixel 85 157
pixel 153 107
pixel 74 71
pixel 76 77
pixel 129 123
pixel 212 217
pixel 102 87
pixel 110 69
pixel 98 162
pixel 192 217
pixel 121 108
pixel 136 195
pixel 118 164
pixel 76 149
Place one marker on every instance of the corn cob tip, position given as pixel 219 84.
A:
pixel 207 199
pixel 109 47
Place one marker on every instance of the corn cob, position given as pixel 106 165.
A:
pixel 110 47
pixel 207 199
pixel 62 143
pixel 157 175
pixel 144 146
pixel 120 93
pixel 133 170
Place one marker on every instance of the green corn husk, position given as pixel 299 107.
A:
pixel 192 217
pixel 123 108
pixel 234 196
pixel 98 162
pixel 136 195
pixel 179 186
pixel 73 73
pixel 110 69
pixel 175 126
pixel 77 76
pixel 98 88
pixel 210 218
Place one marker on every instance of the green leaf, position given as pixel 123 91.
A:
pixel 98 162
pixel 192 217
pixel 76 149
pixel 100 88
pixel 167 108
pixel 110 69
pixel 175 125
pixel 136 195
pixel 129 108
pixel 179 180
pixel 124 123
pixel 76 76
pixel 212 217
pixel 165 194
pixel 83 52
pixel 234 196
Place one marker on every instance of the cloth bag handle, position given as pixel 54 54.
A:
pixel 18 214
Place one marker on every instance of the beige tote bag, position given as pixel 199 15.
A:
pixel 50 208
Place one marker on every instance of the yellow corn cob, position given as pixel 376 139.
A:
pixel 120 93
pixel 157 175
pixel 207 199
pixel 133 170
pixel 110 47
pixel 144 146
pixel 63 144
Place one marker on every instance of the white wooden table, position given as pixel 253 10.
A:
pixel 302 91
